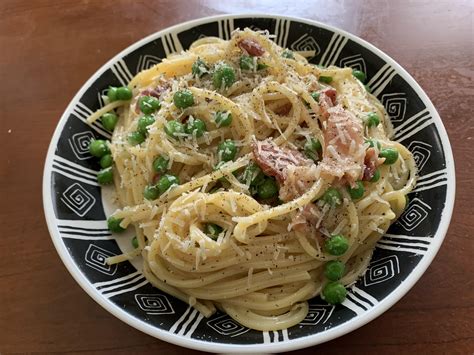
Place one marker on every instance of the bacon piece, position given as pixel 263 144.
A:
pixel 150 92
pixel 307 221
pixel 308 216
pixel 156 92
pixel 251 47
pixel 344 152
pixel 159 90
pixel 298 180
pixel 155 178
pixel 274 160
pixel 371 162
pixel 327 99
pixel 331 93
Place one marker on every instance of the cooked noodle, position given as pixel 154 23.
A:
pixel 261 269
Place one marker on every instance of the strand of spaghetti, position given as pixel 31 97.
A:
pixel 240 287
pixel 206 308
pixel 123 257
pixel 107 108
pixel 178 66
pixel 286 301
pixel 207 40
pixel 314 252
pixel 265 323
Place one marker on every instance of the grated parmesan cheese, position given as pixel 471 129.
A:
pixel 176 221
pixel 320 219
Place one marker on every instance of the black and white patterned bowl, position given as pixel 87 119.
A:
pixel 76 207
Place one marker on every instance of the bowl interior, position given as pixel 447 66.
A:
pixel 76 207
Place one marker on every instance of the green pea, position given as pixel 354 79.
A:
pixel 223 77
pixel 372 119
pixel 114 224
pixel 253 175
pixel 212 230
pixel 166 182
pixel 98 148
pixel 105 176
pixel 390 155
pixel 325 79
pixel 112 93
pixel 160 164
pixel 288 54
pixel 336 245
pixel 195 126
pixel 135 138
pixel 124 93
pixel 135 242
pixel 109 120
pixel 315 95
pixel 173 128
pixel 226 150
pixel 144 122
pixel 199 68
pixel 246 63
pixel 313 149
pixel 376 176
pixel 267 189
pixel 106 161
pixel 151 192
pixel 149 104
pixel 356 192
pixel 360 75
pixel 183 98
pixel 334 293
pixel 373 142
pixel 332 197
pixel 334 270
pixel 223 119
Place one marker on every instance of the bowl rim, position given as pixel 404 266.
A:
pixel 292 344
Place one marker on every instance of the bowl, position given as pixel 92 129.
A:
pixel 76 207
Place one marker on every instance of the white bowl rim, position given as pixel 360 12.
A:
pixel 292 344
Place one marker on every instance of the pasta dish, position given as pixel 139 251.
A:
pixel 253 179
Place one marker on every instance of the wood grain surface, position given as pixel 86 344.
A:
pixel 48 49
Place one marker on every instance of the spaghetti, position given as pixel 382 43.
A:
pixel 254 180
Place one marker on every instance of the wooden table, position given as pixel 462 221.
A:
pixel 47 51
